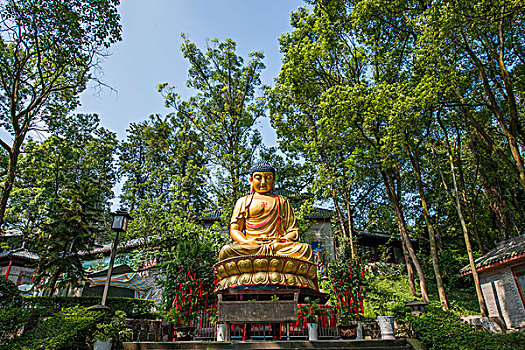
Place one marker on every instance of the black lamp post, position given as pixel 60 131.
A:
pixel 120 223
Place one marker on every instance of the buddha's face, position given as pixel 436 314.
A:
pixel 262 181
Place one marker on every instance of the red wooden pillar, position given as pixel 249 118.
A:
pixel 9 268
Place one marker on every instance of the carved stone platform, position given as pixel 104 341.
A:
pixel 257 270
pixel 257 311
pixel 272 304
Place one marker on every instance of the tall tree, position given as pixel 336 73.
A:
pixel 61 199
pixel 319 55
pixel 224 110
pixel 47 49
pixel 71 225
pixel 477 48
pixel 455 197
pixel 494 180
pixel 163 162
pixel 82 152
pixel 382 29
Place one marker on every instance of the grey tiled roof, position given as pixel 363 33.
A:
pixel 11 233
pixel 210 215
pixel 215 215
pixel 106 248
pixel 320 213
pixel 506 251
pixel 20 253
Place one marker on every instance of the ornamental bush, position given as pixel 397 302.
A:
pixel 187 260
pixel 16 320
pixel 440 330
pixel 10 296
pixel 134 308
pixel 71 328
pixel 347 277
pixel 116 330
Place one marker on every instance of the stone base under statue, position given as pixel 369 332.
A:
pixel 265 270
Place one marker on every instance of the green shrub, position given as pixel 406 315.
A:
pixel 189 276
pixel 9 294
pixel 115 330
pixel 387 292
pixel 348 286
pixel 70 328
pixel 440 330
pixel 136 308
pixel 14 321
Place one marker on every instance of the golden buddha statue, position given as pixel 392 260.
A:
pixel 264 223
pixel 265 251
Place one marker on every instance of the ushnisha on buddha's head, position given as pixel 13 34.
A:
pixel 262 178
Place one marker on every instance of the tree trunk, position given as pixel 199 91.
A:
pixel 410 271
pixel 394 199
pixel 350 224
pixel 481 300
pixel 439 237
pixel 340 217
pixel 515 167
pixel 430 227
pixel 457 203
pixel 14 154
pixel 470 213
pixel 510 130
pixel 492 186
pixel 53 282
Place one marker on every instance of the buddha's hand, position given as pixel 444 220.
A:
pixel 258 240
pixel 265 240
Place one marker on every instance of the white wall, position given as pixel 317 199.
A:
pixel 16 271
pixel 321 231
pixel 502 296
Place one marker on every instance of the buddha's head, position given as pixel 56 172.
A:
pixel 262 177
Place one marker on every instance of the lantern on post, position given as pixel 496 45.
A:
pixel 120 223
pixel 120 220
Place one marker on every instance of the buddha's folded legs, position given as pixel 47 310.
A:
pixel 292 249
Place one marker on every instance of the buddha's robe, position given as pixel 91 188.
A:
pixel 275 223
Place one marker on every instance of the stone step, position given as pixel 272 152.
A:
pixel 398 344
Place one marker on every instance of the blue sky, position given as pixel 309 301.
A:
pixel 149 52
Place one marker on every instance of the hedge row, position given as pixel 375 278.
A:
pixel 70 328
pixel 132 307
pixel 439 330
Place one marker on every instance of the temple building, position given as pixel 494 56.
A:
pixel 18 265
pixel 502 277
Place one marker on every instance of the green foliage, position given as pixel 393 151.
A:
pixel 63 195
pixel 311 311
pixel 348 286
pixel 10 296
pixel 131 306
pixel 443 330
pixel 189 282
pixel 371 91
pixel 163 161
pixel 14 321
pixel 47 50
pixel 224 111
pixel 387 292
pixel 70 228
pixel 187 253
pixel 115 330
pixel 70 328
